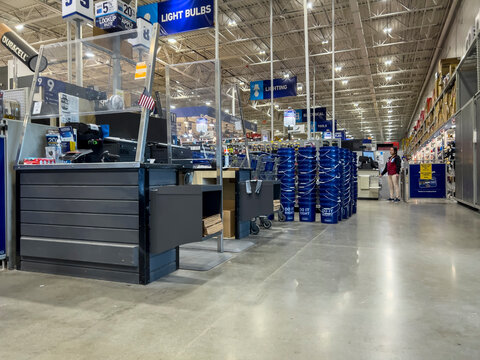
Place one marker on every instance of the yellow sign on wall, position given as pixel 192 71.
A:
pixel 425 171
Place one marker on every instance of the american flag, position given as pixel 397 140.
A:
pixel 146 100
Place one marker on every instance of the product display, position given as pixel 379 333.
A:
pixel 286 176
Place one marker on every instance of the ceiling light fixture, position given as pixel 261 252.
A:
pixel 232 23
pixel 325 42
pixel 388 78
pixel 89 54
pixel 208 103
pixel 390 111
pixel 19 27
pixel 344 82
pixel 338 68
pixel 172 41
pixel 387 30
pixel 262 52
pixel 355 104
pixel 286 75
pixel 388 62
pixel 173 107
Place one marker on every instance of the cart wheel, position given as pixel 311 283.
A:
pixel 281 217
pixel 267 224
pixel 254 229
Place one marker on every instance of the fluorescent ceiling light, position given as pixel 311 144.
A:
pixel 325 42
pixel 172 41
pixel 388 78
pixel 173 107
pixel 355 104
pixel 277 106
pixel 286 76
pixel 242 83
pixel 390 111
pixel 208 103
pixel 388 62
pixel 387 30
pixel 389 102
pixel 309 5
pixel 262 52
pixel 232 23
pixel 344 82
pixel 89 54
pixel 19 27
pixel 338 68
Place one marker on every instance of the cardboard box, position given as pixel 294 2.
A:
pixel 229 223
pixel 213 229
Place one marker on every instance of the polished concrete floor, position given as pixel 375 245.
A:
pixel 396 281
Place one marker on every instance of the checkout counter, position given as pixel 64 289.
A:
pixel 368 177
pixel 99 206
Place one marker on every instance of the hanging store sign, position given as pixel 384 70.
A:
pixel 260 90
pixel 77 9
pixel 115 15
pixel 289 118
pixel 20 48
pixel 177 16
pixel 340 135
pixel 144 35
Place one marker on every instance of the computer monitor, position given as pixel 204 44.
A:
pixel 369 154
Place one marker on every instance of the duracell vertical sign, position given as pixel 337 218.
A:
pixel 19 47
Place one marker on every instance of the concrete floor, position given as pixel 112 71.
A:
pixel 396 281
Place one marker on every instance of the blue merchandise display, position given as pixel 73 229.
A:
pixel 329 184
pixel 286 176
pixel 307 181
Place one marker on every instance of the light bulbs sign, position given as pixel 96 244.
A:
pixel 176 16
pixel 260 90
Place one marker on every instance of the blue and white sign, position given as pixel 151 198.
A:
pixel 177 16
pixel 77 9
pixel 115 15
pixel 260 90
pixel 289 118
pixel 51 89
pixel 434 188
pixel 202 125
pixel 144 34
pixel 320 115
pixel 340 135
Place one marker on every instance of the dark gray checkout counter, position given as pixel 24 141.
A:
pixel 117 221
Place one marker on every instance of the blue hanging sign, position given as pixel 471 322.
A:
pixel 260 90
pixel 176 16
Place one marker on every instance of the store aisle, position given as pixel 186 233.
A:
pixel 395 281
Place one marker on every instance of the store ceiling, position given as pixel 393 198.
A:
pixel 384 49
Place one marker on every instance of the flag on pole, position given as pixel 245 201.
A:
pixel 146 100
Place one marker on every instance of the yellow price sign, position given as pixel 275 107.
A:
pixel 425 171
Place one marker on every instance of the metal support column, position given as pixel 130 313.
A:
pixel 168 114
pixel 145 116
pixel 116 66
pixel 78 53
pixel 218 116
pixel 69 52
pixel 333 69
pixel 272 109
pixel 314 91
pixel 307 66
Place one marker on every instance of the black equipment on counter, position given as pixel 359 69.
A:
pixel 367 163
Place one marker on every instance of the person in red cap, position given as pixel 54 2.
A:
pixel 393 166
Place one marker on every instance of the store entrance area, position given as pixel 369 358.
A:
pixel 395 281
